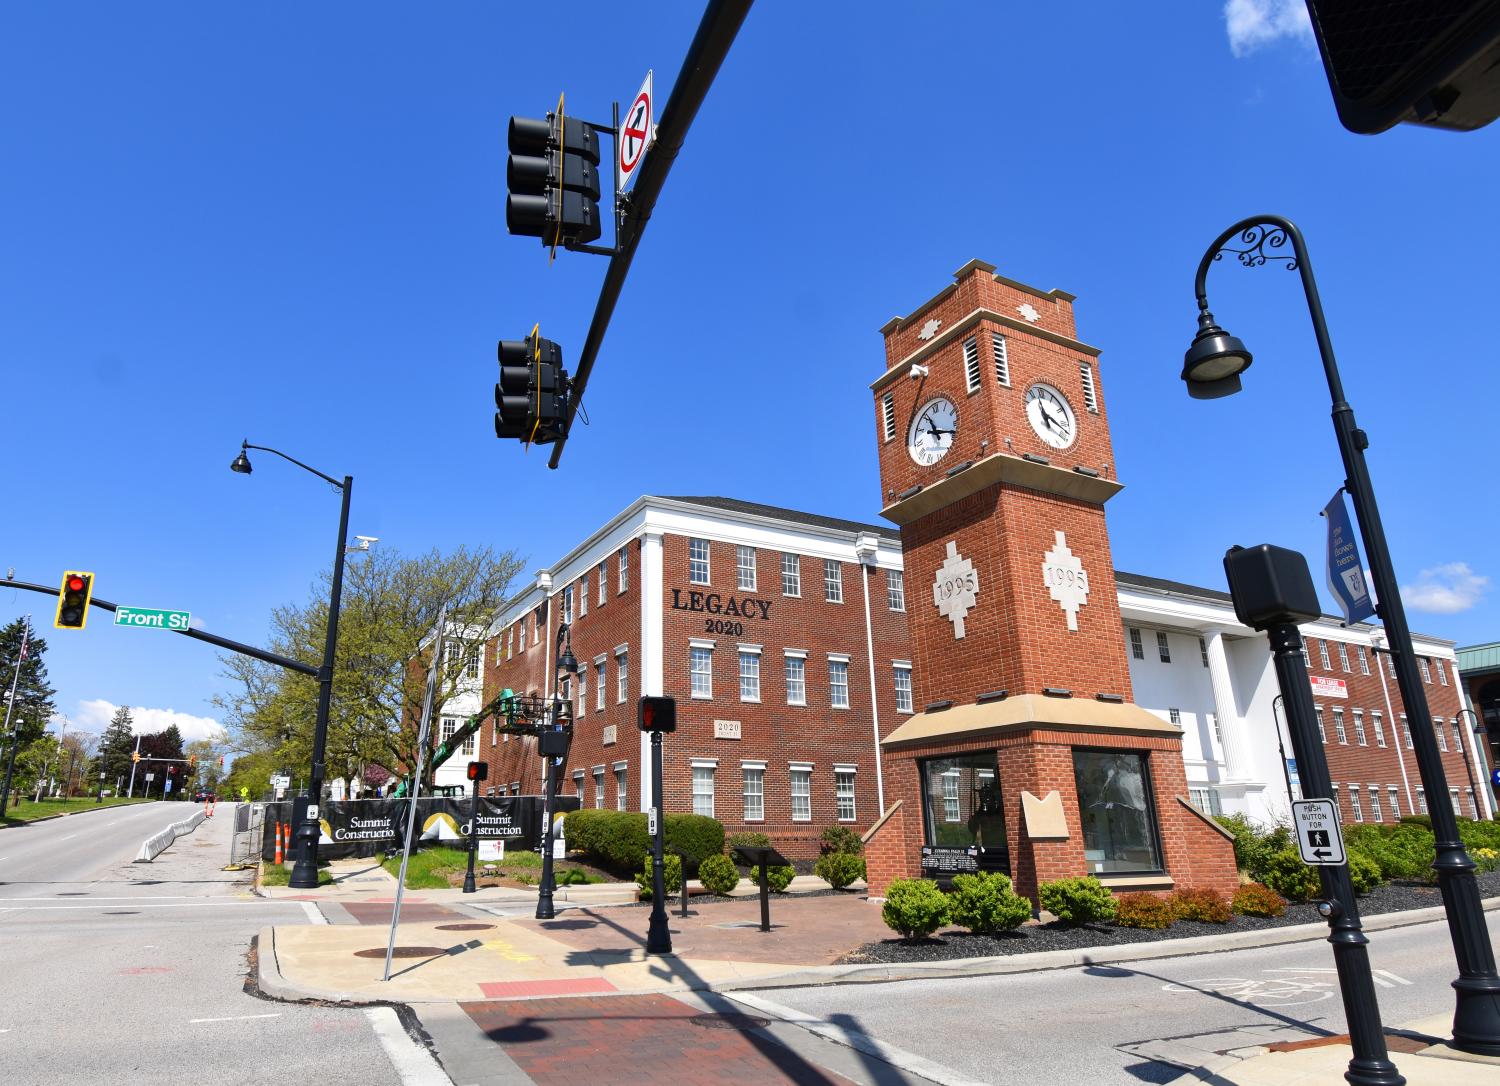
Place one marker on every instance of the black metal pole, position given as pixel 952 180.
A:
pixel 765 891
pixel 1476 1015
pixel 1371 1065
pixel 473 839
pixel 684 907
pixel 545 910
pixel 305 872
pixel 658 934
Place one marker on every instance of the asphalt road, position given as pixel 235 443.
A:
pixel 115 972
pixel 1130 1024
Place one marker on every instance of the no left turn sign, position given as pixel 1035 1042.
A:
pixel 636 131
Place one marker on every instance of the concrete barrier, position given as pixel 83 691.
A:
pixel 157 843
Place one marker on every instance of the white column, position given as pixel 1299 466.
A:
pixel 1231 727
pixel 650 662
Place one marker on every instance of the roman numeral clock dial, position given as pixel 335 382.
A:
pixel 932 431
pixel 1051 416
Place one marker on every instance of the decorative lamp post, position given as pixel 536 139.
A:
pixel 1212 368
pixel 552 744
pixel 305 871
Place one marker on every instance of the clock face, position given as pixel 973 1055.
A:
pixel 1050 416
pixel 932 431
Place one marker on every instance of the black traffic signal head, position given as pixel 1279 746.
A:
pixel 73 600
pixel 657 714
pixel 1271 586
pixel 479 771
pixel 531 397
pixel 553 178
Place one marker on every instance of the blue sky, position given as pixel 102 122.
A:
pixel 287 224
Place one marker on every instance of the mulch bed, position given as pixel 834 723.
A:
pixel 1031 938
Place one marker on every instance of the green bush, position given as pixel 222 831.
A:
pixel 777 878
pixel 671 876
pixel 1077 901
pixel 719 875
pixel 1425 821
pixel 749 839
pixel 1253 899
pixel 842 839
pixel 839 869
pixel 614 840
pixel 1402 852
pixel 1364 872
pixel 1143 911
pixel 1205 904
pixel 1290 877
pixel 914 908
pixel 1252 843
pixel 985 903
pixel 1477 835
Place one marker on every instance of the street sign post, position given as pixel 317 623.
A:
pixel 153 618
pixel 637 130
pixel 1319 840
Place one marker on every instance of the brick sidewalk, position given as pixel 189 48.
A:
pixel 565 1042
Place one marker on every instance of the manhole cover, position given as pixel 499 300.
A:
pixel 729 1021
pixel 403 952
pixel 465 927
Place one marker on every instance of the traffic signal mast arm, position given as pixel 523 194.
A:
pixel 197 635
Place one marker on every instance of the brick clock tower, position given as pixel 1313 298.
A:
pixel 1025 753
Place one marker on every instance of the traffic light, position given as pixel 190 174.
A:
pixel 658 714
pixel 479 771
pixel 135 756
pixel 73 600
pixel 553 177
pixel 221 761
pixel 531 396
pixel 193 761
pixel 1411 60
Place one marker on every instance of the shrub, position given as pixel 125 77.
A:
pixel 1477 835
pixel 750 838
pixel 985 903
pixel 1077 901
pixel 839 869
pixel 696 836
pixel 842 839
pixel 777 878
pixel 1401 852
pixel 671 876
pixel 719 875
pixel 1206 904
pixel 1364 872
pixel 1143 911
pixel 615 840
pixel 1290 877
pixel 1425 821
pixel 1253 899
pixel 914 908
pixel 1250 842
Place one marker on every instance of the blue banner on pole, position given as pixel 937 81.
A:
pixel 1346 573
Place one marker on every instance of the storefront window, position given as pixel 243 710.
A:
pixel 961 802
pixel 1119 819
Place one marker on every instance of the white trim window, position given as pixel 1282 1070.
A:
pixel 1379 723
pixel 624 564
pixel 796 680
pixel 1426 671
pixel 749 674
pixel 567 607
pixel 1442 671
pixel 791 574
pixel 1359 728
pixel 1090 393
pixel 1162 648
pixel 583 594
pixel 895 589
pixel 622 788
pixel 1422 801
pixel 1344 658
pixel 600 666
pixel 1406 727
pixel 971 364
pixel 701 670
pixel 622 676
pixel 838 683
pixel 1175 716
pixel 744 568
pixel 1306 659
pixel 950 795
pixel 843 792
pixel 698 561
pixel 1376 814
pixel 1458 736
pixel 578 785
pixel 801 793
pixel 703 788
pixel 1322 731
pixel 754 791
pixel 1437 733
pixel 1338 725
pixel 1323 655
pixel 603 572
pixel 888 416
pixel 451 724
pixel 1390 794
pixel 1137 650
pixel 1206 799
pixel 833 580
pixel 1002 360
pixel 582 705
pixel 1364 660
pixel 1354 804
pixel 902 677
pixel 598 788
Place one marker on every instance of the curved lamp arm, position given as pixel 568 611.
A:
pixel 305 467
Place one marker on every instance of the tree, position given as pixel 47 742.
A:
pixel 116 745
pixel 389 609
pixel 165 745
pixel 33 708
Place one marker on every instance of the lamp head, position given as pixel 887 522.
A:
pixel 241 462
pixel 567 661
pixel 1213 364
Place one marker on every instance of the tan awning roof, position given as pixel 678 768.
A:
pixel 1027 710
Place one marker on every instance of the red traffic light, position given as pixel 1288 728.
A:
pixel 73 600
pixel 75 583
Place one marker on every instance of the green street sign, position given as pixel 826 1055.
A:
pixel 152 618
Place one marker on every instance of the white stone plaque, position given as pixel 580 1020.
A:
pixel 609 734
pixel 1066 581
pixel 955 588
pixel 726 729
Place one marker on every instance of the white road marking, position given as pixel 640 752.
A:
pixel 178 905
pixel 67 838
pixel 313 915
pixel 233 1018
pixel 413 1064
pixel 1387 973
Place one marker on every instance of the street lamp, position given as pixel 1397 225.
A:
pixel 305 871
pixel 552 743
pixel 1212 368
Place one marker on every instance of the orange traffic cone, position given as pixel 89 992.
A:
pixel 280 857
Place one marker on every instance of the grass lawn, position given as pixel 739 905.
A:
pixel 27 811
pixel 440 868
pixel 281 874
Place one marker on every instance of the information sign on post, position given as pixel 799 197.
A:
pixel 1319 840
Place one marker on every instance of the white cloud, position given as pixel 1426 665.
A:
pixel 1254 23
pixel 94 715
pixel 1446 589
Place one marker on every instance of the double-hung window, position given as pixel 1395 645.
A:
pixel 1162 649
pixel 1344 657
pixel 838 682
pixel 796 679
pixel 1426 672
pixel 1323 655
pixel 567 615
pixel 749 672
pixel 1137 650
pixel 1375 812
pixel 833 580
pixel 1437 732
pixel 801 793
pixel 599 666
pixel 583 595
pixel 698 561
pixel 703 787
pixel 843 791
pixel 1406 727
pixel 754 790
pixel 1322 731
pixel 1379 722
pixel 744 568
pixel 622 797
pixel 1338 725
pixel 624 563
pixel 622 676
pixel 1390 794
pixel 1359 728
pixel 1359 812
pixel 603 593
pixel 599 787
pixel 1442 672
pixel 791 575
pixel 701 670
pixel 902 672
pixel 895 589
